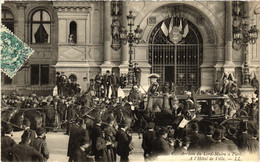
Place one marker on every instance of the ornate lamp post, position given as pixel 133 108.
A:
pixel 131 38
pixel 242 36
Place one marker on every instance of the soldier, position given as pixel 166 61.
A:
pixel 153 90
pixel 195 137
pixel 114 80
pixel 22 152
pixel 160 145
pixel 59 82
pixel 148 138
pixel 40 143
pixel 64 80
pixel 98 83
pixel 106 83
pixel 123 141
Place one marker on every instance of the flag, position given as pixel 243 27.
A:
pixel 171 25
pixel 164 29
pixel 186 28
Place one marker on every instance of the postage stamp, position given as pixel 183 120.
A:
pixel 14 53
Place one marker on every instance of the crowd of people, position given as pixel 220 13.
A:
pixel 104 141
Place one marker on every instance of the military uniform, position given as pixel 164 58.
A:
pixel 98 83
pixel 106 83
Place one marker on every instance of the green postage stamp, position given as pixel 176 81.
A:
pixel 14 52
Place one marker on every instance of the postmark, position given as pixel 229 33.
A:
pixel 14 53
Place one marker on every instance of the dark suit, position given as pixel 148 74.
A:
pixel 7 141
pixel 148 138
pixel 243 141
pixel 114 85
pixel 196 140
pixel 106 83
pixel 160 146
pixel 40 145
pixel 206 143
pixel 123 144
pixel 81 156
pixel 96 132
pixel 22 152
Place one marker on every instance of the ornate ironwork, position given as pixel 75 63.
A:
pixel 181 60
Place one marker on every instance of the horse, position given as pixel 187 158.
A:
pixel 16 117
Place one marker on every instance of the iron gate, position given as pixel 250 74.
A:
pixel 178 63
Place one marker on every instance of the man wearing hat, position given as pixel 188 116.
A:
pixel 137 71
pixel 96 132
pixel 27 125
pixel 106 82
pixel 6 138
pixel 123 141
pixel 114 80
pixel 153 90
pixel 208 140
pixel 148 138
pixel 160 145
pixel 218 145
pixel 40 143
pixel 23 151
pixel 244 138
pixel 185 146
pixel 195 137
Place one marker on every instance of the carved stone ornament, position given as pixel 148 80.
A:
pixel 116 42
pixel 116 8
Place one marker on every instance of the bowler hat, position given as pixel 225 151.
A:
pixel 151 125
pixel 217 134
pixel 194 126
pixel 210 130
pixel 163 130
pixel 8 129
pixel 186 140
pixel 40 131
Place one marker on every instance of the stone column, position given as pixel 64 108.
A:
pixel 107 37
pixel 228 66
pixel 124 49
pixel 21 21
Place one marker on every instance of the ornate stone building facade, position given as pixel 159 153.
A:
pixel 78 36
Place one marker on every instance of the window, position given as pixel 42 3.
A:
pixel 8 19
pixel 73 78
pixel 5 79
pixel 73 32
pixel 41 27
pixel 39 74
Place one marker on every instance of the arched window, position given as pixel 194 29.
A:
pixel 8 19
pixel 73 32
pixel 40 27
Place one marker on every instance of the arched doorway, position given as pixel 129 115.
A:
pixel 176 58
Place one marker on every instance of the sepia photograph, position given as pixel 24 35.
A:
pixel 129 81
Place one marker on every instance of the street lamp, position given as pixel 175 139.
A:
pixel 130 38
pixel 242 37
